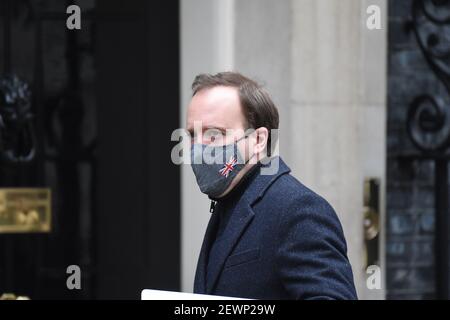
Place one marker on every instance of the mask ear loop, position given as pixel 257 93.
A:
pixel 245 137
pixel 250 158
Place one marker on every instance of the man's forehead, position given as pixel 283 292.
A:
pixel 218 107
pixel 219 94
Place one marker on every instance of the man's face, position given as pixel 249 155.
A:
pixel 216 109
pixel 215 117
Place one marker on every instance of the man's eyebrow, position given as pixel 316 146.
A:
pixel 223 130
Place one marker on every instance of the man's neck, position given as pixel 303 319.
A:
pixel 243 175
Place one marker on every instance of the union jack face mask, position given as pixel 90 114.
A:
pixel 216 166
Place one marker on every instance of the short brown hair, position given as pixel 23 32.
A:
pixel 257 106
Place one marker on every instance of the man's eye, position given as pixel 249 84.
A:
pixel 211 136
pixel 194 139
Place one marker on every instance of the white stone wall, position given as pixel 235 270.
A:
pixel 207 45
pixel 326 73
pixel 338 110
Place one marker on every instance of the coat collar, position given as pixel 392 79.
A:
pixel 241 217
pixel 268 173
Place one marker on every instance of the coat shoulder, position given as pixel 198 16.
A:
pixel 292 193
pixel 310 234
pixel 296 202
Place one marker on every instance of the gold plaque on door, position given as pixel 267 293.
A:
pixel 25 210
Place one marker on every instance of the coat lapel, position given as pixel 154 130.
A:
pixel 200 274
pixel 241 217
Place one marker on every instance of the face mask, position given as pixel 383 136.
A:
pixel 216 166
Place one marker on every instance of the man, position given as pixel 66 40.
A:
pixel 269 237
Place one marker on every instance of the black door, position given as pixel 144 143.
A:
pixel 95 129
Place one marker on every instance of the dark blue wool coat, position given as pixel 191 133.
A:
pixel 282 241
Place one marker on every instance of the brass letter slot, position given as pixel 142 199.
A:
pixel 25 210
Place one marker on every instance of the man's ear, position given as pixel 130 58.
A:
pixel 262 135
